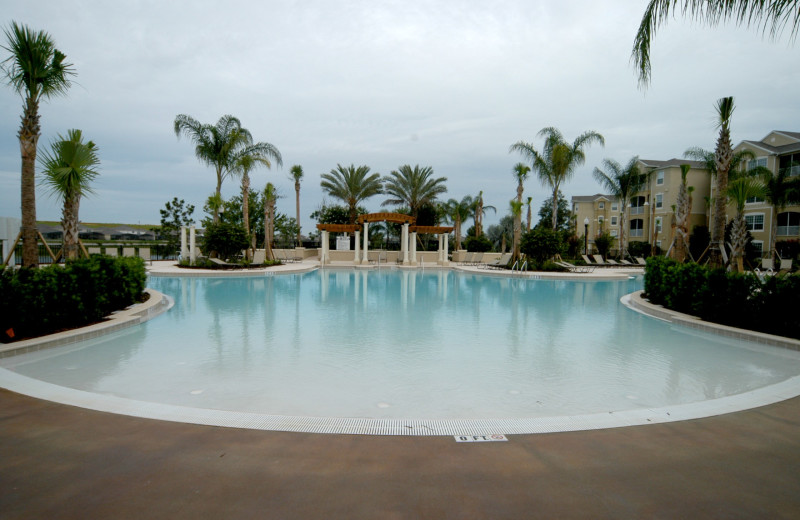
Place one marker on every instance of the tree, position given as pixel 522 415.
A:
pixel 723 155
pixel 333 214
pixel 457 212
pixel 296 174
pixel 270 197
pixel 546 214
pixel 352 186
pixel 622 183
pixel 739 191
pixel 682 212
pixel 244 164
pixel 499 233
pixel 521 172
pixel 478 209
pixel 557 162
pixel 516 212
pixel 69 169
pixel 771 15
pixel 36 70
pixel 779 190
pixel 413 187
pixel 224 238
pixel 174 215
pixel 222 145
pixel 528 222
pixel 541 244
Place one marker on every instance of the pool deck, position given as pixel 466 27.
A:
pixel 58 461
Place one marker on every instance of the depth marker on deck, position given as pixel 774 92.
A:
pixel 481 438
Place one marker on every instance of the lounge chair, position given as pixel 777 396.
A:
pixel 612 262
pixel 467 260
pixel 786 265
pixel 477 259
pixel 598 260
pixel 640 260
pixel 628 263
pixel 500 263
pixel 575 268
pixel 588 260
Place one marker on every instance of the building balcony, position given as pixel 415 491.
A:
pixel 788 231
pixel 637 210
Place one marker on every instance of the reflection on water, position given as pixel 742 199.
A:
pixel 406 343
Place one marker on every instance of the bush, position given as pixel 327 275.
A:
pixel 735 299
pixel 540 244
pixel 479 244
pixel 226 239
pixel 41 301
pixel 638 249
pixel 603 243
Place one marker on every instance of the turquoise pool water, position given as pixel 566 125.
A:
pixel 408 344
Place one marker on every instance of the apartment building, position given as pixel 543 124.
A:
pixel 778 151
pixel 650 212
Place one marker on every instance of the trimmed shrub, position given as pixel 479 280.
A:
pixel 228 240
pixel 41 301
pixel 479 244
pixel 541 244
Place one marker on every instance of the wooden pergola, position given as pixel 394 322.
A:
pixel 408 240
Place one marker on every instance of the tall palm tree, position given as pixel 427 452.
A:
pixel 36 70
pixel 457 212
pixel 528 222
pixel 622 183
pixel 769 16
pixel 739 191
pixel 683 209
pixel 723 155
pixel 69 169
pixel 516 212
pixel 478 209
pixel 296 173
pixel 557 162
pixel 707 157
pixel 413 187
pixel 351 185
pixel 221 145
pixel 242 168
pixel 270 197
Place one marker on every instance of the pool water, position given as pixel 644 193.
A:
pixel 408 344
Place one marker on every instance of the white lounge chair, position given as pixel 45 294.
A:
pixel 575 268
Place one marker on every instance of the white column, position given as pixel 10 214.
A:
pixel 357 254
pixel 445 239
pixel 413 244
pixel 365 260
pixel 192 251
pixel 439 251
pixel 323 255
pixel 184 247
pixel 404 243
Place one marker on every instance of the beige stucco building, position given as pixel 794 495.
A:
pixel 650 213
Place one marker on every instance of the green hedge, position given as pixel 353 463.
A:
pixel 40 301
pixel 735 299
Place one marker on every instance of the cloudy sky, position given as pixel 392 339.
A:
pixel 447 84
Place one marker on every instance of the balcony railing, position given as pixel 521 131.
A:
pixel 791 171
pixel 784 231
pixel 637 232
pixel 637 210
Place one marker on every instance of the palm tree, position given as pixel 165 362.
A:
pixel 270 197
pixel 683 209
pixel 723 155
pixel 243 166
pixel 413 187
pixel 558 159
pixel 221 145
pixel 68 171
pixel 516 212
pixel 457 212
pixel 771 16
pixel 351 185
pixel 296 173
pixel 36 70
pixel 478 209
pixel 622 183
pixel 739 191
pixel 528 223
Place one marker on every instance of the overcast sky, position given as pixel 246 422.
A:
pixel 445 84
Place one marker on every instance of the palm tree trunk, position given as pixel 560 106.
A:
pixel 297 202
pixel 69 223
pixel 28 139
pixel 723 155
pixel 555 208
pixel 622 222
pixel 517 229
pixel 246 210
pixel 218 193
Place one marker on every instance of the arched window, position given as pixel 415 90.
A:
pixel 637 205
pixel 637 227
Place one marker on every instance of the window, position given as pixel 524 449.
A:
pixel 789 223
pixel 761 161
pixel 659 200
pixel 755 222
pixel 637 205
pixel 790 163
pixel 600 222
pixel 613 232
pixel 614 206
pixel 758 245
pixel 753 200
pixel 613 221
pixel 660 178
pixel 658 224
pixel 637 227
pixel 601 205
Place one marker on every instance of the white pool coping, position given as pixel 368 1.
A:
pixel 368 426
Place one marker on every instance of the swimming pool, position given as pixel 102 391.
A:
pixel 408 345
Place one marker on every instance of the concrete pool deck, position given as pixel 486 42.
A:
pixel 59 461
